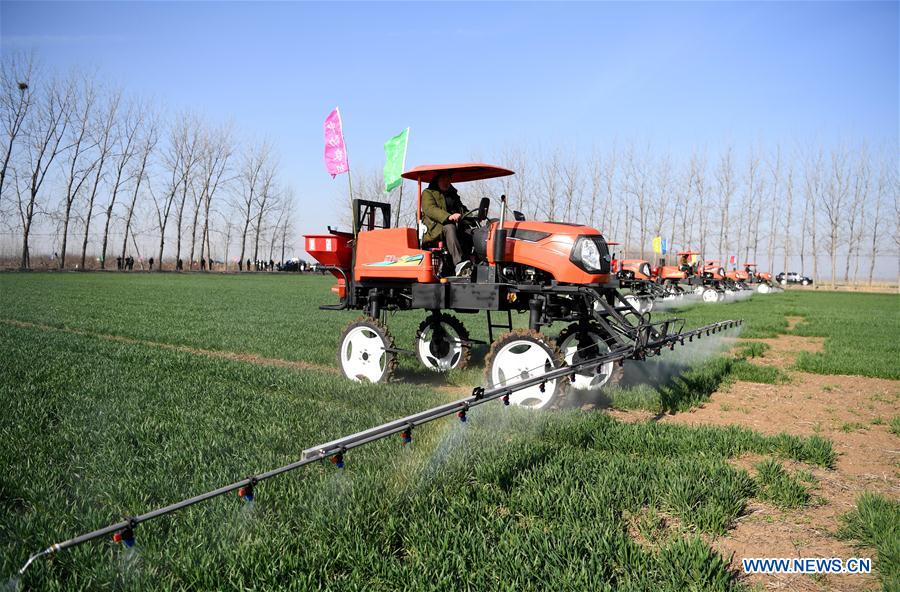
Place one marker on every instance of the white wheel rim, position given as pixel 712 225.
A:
pixel 710 296
pixel 363 355
pixel 646 304
pixel 699 290
pixel 446 362
pixel 594 378
pixel 520 360
pixel 634 302
pixel 762 289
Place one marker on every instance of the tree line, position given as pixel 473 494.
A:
pixel 85 168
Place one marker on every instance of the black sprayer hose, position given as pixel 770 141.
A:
pixel 336 448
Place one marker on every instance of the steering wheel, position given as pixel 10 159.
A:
pixel 471 217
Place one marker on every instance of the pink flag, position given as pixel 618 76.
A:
pixel 335 152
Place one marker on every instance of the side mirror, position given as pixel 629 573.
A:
pixel 483 208
pixel 519 216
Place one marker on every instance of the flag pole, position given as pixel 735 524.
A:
pixel 347 158
pixel 403 166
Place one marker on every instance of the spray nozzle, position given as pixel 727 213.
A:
pixel 505 399
pixel 406 435
pixel 461 414
pixel 126 535
pixel 543 386
pixel 338 460
pixel 246 492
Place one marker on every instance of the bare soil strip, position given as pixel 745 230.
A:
pixel 854 413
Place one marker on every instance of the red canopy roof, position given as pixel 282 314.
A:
pixel 612 243
pixel 750 264
pixel 459 173
pixel 688 253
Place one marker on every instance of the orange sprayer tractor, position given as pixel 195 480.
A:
pixel 635 275
pixel 556 273
pixel 762 279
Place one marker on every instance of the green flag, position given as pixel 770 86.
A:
pixel 394 159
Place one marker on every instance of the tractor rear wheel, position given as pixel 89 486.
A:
pixel 367 351
pixel 574 350
pixel 710 295
pixel 519 355
pixel 442 343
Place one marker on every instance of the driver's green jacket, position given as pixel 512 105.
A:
pixel 436 208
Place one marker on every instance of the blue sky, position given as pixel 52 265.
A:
pixel 471 78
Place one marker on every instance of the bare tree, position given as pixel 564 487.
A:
pixel 16 98
pixel 191 146
pixel 125 144
pixel 214 168
pixel 860 182
pixel 45 132
pixel 550 173
pixel 266 200
pixel 774 206
pixel 102 132
pixel 788 229
pixel 832 200
pixel 175 160
pixel 80 163
pixel 884 184
pixel 812 189
pixel 636 186
pixel 572 186
pixel 726 186
pixel 250 177
pixel 147 144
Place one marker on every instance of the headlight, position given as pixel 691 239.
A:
pixel 591 254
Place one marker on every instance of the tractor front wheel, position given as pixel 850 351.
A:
pixel 442 343
pixel 710 295
pixel 578 345
pixel 521 355
pixel 367 351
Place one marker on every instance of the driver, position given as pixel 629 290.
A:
pixel 442 210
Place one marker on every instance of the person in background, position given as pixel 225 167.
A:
pixel 150 262
pixel 119 263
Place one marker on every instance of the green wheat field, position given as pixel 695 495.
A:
pixel 103 418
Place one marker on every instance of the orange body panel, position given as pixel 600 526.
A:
pixel 737 275
pixel 715 269
pixel 550 254
pixel 764 275
pixel 634 266
pixel 671 272
pixel 392 253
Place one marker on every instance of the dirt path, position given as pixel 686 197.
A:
pixel 854 413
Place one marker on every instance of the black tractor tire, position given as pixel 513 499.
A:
pixel 466 351
pixel 617 372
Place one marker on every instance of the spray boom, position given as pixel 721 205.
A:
pixel 123 532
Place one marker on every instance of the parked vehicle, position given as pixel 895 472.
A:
pixel 792 277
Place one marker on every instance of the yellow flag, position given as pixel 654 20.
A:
pixel 657 245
